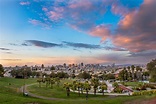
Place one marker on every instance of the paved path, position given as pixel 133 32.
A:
pixel 111 95
pixel 37 96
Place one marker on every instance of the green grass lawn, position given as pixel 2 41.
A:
pixel 57 92
pixel 9 94
pixel 133 84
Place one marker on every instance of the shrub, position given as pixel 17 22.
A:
pixel 144 93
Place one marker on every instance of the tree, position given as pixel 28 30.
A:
pixel 87 87
pixel 128 67
pixel 74 85
pixel 145 75
pixel 73 76
pixel 52 75
pixel 82 64
pixel 115 84
pixel 133 67
pixel 62 75
pixel 84 75
pixel 67 87
pixel 39 81
pixel 47 80
pixel 57 79
pixel 21 73
pixel 79 87
pixel 52 81
pixel 103 87
pixel 151 66
pixel 137 72
pixel 122 75
pixel 42 66
pixel 108 76
pixel 95 84
pixel 1 70
pixel 52 68
pixel 82 87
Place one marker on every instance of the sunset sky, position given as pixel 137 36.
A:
pixel 36 32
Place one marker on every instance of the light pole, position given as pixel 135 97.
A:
pixel 24 83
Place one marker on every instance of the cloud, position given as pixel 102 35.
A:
pixel 82 45
pixel 115 48
pixel 78 14
pixel 54 16
pixel 44 9
pixel 9 52
pixel 143 54
pixel 12 59
pixel 13 44
pixel 125 57
pixel 4 49
pixel 43 44
pixel 25 44
pixel 39 23
pixel 73 12
pixel 24 3
pixel 102 31
pixel 136 31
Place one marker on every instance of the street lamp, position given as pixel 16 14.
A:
pixel 24 83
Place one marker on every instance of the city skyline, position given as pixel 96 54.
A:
pixel 36 32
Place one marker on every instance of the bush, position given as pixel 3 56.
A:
pixel 144 93
pixel 118 90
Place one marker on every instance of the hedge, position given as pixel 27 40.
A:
pixel 144 93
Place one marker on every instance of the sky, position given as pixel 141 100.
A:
pixel 50 32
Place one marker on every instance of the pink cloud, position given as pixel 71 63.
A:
pixel 118 9
pixel 38 23
pixel 80 4
pixel 54 16
pixel 24 3
pixel 59 9
pixel 100 31
pixel 44 9
pixel 136 32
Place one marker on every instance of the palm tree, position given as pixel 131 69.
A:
pixel 82 87
pixel 78 87
pixel 57 81
pixel 128 68
pixel 103 87
pixel 137 72
pixel 87 87
pixel 67 87
pixel 39 81
pixel 132 67
pixel 47 80
pixel 95 84
pixel 74 85
pixel 52 81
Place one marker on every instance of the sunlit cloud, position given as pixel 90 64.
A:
pixel 136 31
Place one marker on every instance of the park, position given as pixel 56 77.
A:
pixel 129 87
pixel 11 94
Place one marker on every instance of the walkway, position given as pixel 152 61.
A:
pixel 37 96
pixel 51 98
